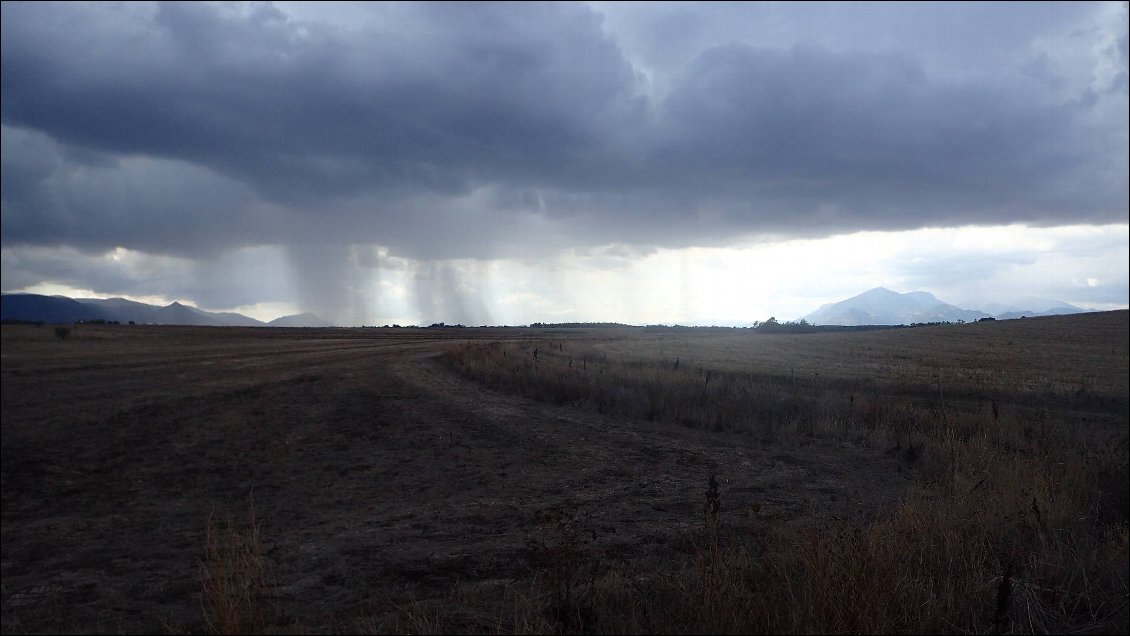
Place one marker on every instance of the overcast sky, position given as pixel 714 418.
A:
pixel 512 163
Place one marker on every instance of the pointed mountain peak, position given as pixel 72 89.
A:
pixel 878 292
pixel 881 306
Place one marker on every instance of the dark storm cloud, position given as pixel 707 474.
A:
pixel 59 195
pixel 467 130
pixel 841 141
pixel 452 96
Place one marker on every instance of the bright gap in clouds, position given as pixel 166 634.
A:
pixel 971 267
pixel 56 289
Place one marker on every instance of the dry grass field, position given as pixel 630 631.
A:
pixel 960 479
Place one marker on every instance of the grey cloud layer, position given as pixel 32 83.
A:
pixel 242 277
pixel 457 130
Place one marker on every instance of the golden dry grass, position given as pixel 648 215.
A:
pixel 1018 520
pixel 234 582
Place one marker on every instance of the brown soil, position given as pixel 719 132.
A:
pixel 377 475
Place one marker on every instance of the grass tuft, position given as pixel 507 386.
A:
pixel 235 594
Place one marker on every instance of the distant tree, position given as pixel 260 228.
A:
pixel 801 326
pixel 774 326
pixel 770 326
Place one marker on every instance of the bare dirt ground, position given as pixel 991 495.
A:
pixel 377 475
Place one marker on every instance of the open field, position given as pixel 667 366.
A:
pixel 948 479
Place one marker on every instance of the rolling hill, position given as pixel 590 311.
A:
pixel 60 309
pixel 299 320
pixel 881 306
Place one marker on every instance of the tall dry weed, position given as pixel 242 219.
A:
pixel 235 594
pixel 1017 523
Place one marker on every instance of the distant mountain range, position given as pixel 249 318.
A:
pixel 881 306
pixel 299 320
pixel 60 309
pixel 878 306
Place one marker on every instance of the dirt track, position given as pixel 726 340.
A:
pixel 377 476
